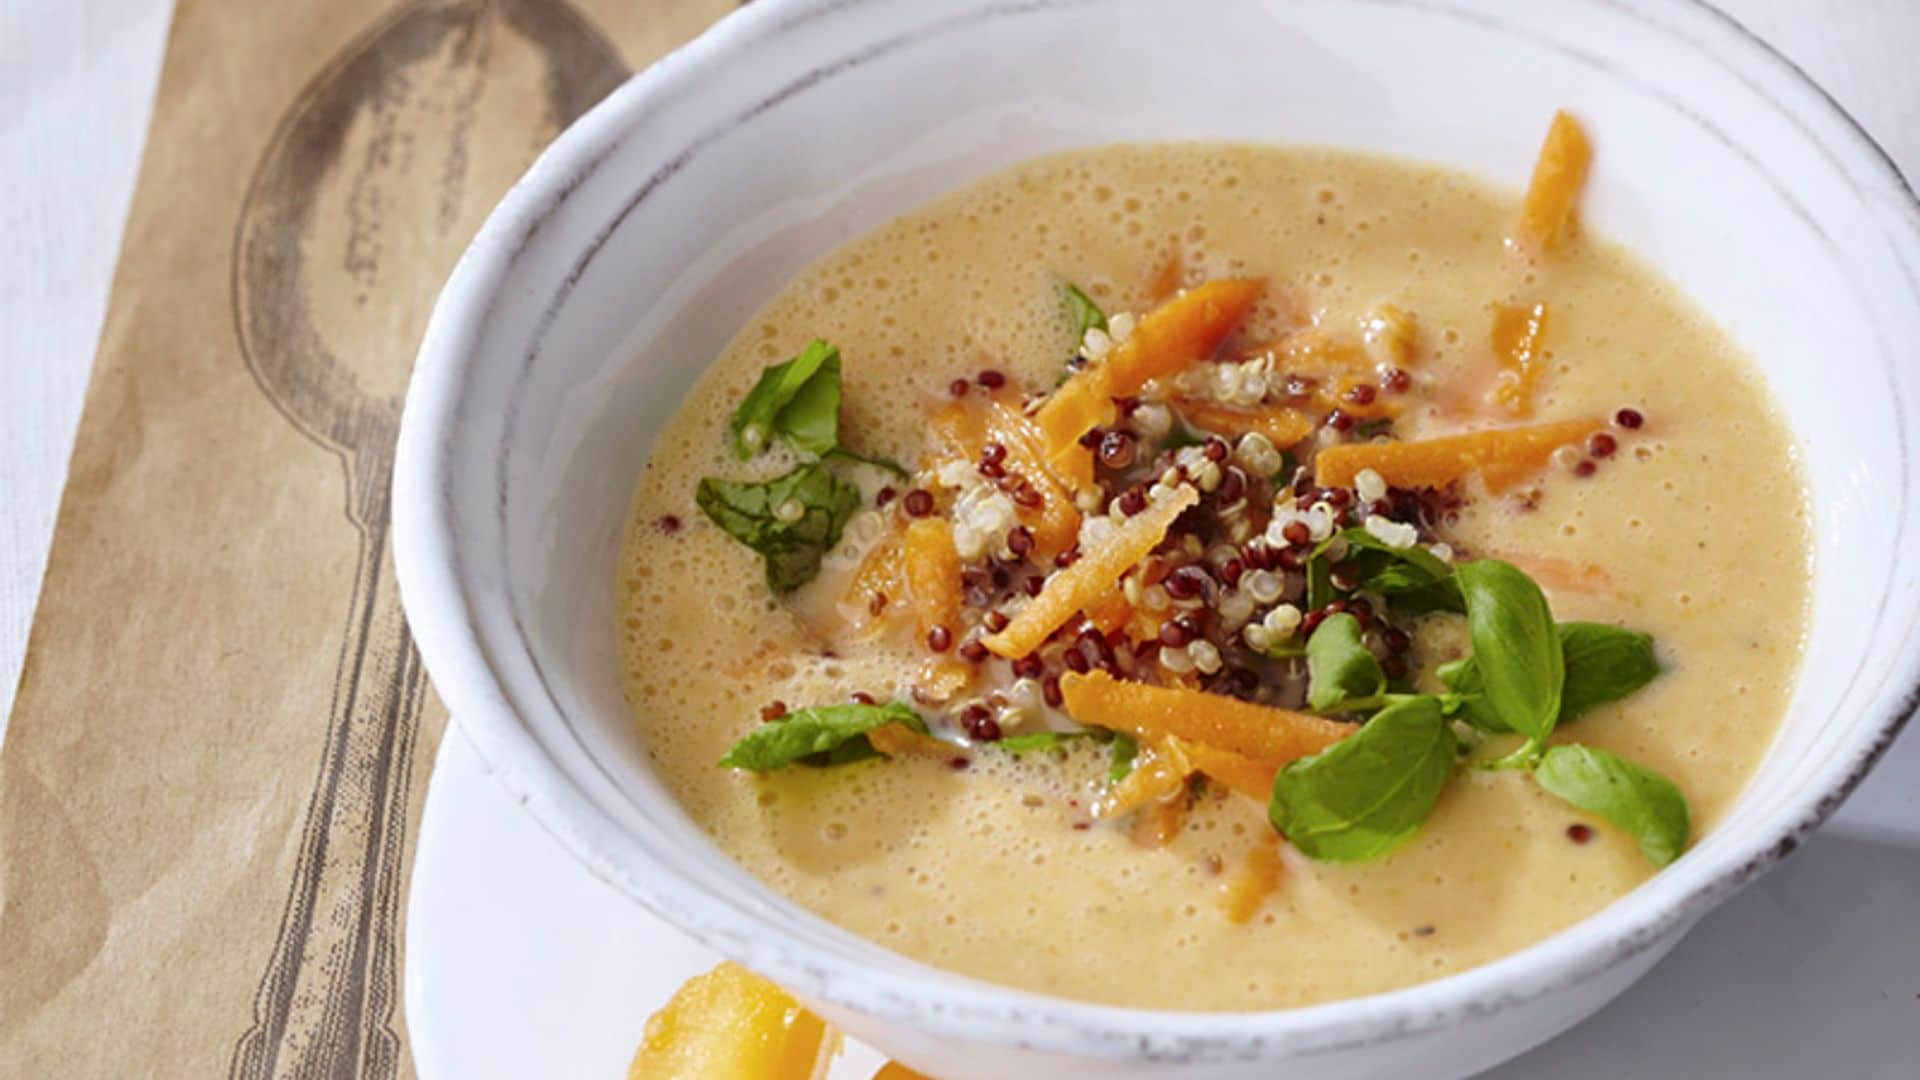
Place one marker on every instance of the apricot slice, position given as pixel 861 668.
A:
pixel 1502 456
pixel 1072 590
pixel 730 1024
pixel 1558 173
pixel 1152 713
pixel 1187 328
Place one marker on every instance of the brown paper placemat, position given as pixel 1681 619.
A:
pixel 217 756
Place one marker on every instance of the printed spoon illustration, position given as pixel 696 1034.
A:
pixel 374 181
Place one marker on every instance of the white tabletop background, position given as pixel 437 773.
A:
pixel 77 80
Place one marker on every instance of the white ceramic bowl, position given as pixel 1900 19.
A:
pixel 653 228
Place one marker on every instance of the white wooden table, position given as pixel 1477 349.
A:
pixel 1819 966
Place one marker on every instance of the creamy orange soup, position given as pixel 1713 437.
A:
pixel 1019 868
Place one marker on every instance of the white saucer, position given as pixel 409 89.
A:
pixel 519 963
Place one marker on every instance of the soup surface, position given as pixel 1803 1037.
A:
pixel 1690 525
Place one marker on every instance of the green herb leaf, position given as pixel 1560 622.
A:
pixel 1320 591
pixel 1515 645
pixel 1462 676
pixel 1369 792
pixel 1125 749
pixel 1085 313
pixel 822 735
pixel 1034 741
pixel 798 400
pixel 1637 800
pixel 792 520
pixel 1603 664
pixel 1340 670
pixel 1413 580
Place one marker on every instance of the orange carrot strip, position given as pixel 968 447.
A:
pixel 1502 456
pixel 1159 773
pixel 893 1070
pixel 1159 822
pixel 1558 174
pixel 1256 881
pixel 1069 592
pixel 1111 611
pixel 933 574
pixel 1517 336
pixel 941 677
pixel 962 431
pixel 877 575
pixel 1237 772
pixel 1055 523
pixel 1392 336
pixel 1282 426
pixel 1187 328
pixel 1147 712
pixel 959 429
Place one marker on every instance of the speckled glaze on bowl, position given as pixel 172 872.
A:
pixel 653 228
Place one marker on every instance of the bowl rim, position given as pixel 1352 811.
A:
pixel 443 612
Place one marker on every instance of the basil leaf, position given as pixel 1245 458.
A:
pixel 820 736
pixel 1340 669
pixel 1413 580
pixel 1034 741
pixel 1085 313
pixel 1639 801
pixel 1462 676
pixel 816 505
pixel 1603 664
pixel 798 400
pixel 1369 792
pixel 1125 749
pixel 1515 645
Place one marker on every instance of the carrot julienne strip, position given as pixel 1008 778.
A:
pixel 1558 173
pixel 1187 328
pixel 1072 590
pixel 1261 732
pixel 1501 456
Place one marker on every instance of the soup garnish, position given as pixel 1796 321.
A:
pixel 1190 568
